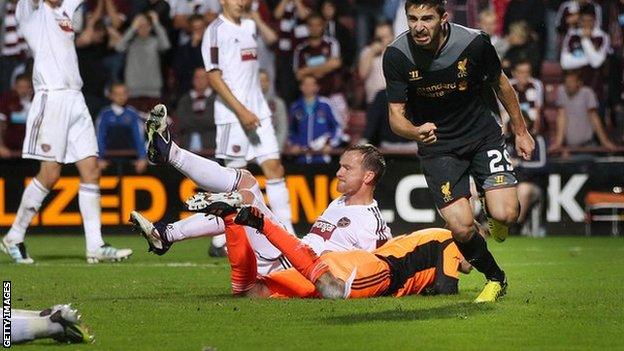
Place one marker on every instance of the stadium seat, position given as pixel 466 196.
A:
pixel 551 73
pixel 604 207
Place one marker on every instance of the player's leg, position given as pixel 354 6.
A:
pixel 34 194
pixel 43 141
pixel 266 154
pixel 59 322
pixel 494 177
pixel 277 192
pixel 449 184
pixel 82 150
pixel 207 174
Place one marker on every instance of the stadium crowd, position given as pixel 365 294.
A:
pixel 565 58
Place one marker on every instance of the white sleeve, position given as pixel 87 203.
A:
pixel 540 93
pixel 315 242
pixel 25 8
pixel 210 49
pixel 568 60
pixel 71 5
pixel 596 57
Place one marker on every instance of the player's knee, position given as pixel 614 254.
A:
pixel 48 176
pixel 247 180
pixel 507 213
pixel 273 169
pixel 462 228
pixel 330 287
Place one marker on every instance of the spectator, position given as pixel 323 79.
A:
pixel 586 48
pixel 161 7
pixel 143 75
pixel 14 106
pixel 320 56
pixel 335 29
pixel 488 23
pixel 291 16
pixel 12 45
pixel 568 16
pixel 278 110
pixel 195 113
pixel 369 67
pixel 577 118
pixel 530 93
pixel 367 14
pixel 312 124
pixel 188 57
pixel 521 48
pixel 400 19
pixel 532 12
pixel 181 10
pixel 114 12
pixel 117 125
pixel 92 46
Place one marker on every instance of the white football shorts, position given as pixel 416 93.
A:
pixel 59 128
pixel 237 148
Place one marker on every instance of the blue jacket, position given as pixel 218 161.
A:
pixel 120 131
pixel 306 127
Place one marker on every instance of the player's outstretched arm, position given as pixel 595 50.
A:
pixel 248 119
pixel 507 96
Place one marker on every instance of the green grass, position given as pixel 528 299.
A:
pixel 564 294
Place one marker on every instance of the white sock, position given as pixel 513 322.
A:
pixel 90 209
pixel 279 200
pixel 27 327
pixel 33 196
pixel 207 174
pixel 195 226
pixel 218 241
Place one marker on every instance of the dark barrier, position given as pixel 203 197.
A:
pixel 403 196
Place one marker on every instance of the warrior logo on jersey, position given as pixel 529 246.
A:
pixel 65 23
pixel 343 222
pixel 323 229
pixel 249 54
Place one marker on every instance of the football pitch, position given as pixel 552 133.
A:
pixel 565 293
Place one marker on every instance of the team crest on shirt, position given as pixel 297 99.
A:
pixel 236 148
pixel 65 23
pixel 462 69
pixel 343 222
pixel 249 54
pixel 45 147
pixel 323 229
pixel 446 192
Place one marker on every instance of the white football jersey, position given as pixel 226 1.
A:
pixel 344 227
pixel 50 35
pixel 232 49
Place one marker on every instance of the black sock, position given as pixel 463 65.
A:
pixel 475 251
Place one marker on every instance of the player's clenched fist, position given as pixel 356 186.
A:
pixel 248 120
pixel 426 133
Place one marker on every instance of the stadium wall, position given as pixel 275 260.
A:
pixel 403 196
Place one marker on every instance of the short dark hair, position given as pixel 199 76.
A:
pixel 523 61
pixel 438 4
pixel 588 10
pixel 314 15
pixel 372 159
pixel 23 76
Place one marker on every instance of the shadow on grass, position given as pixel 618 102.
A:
pixel 461 310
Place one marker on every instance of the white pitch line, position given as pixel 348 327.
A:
pixel 133 265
